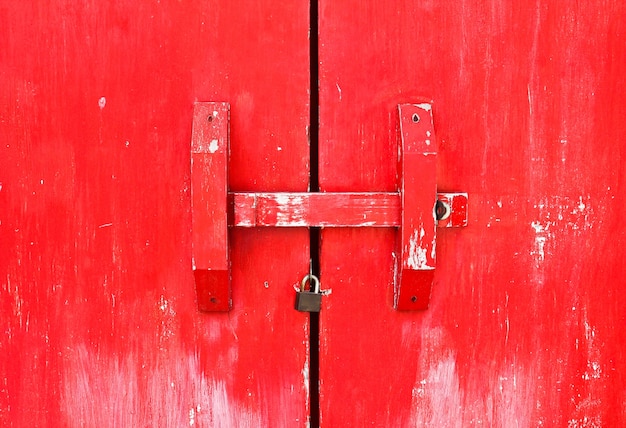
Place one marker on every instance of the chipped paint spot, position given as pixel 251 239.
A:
pixel 585 422
pixel 102 102
pixel 213 147
pixel 425 106
pixel 541 231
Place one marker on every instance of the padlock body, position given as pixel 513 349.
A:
pixel 308 302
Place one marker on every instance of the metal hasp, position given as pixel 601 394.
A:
pixel 411 209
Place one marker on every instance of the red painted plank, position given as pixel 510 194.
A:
pixel 418 185
pixel 316 209
pixel 99 316
pixel 522 327
pixel 329 209
pixel 209 188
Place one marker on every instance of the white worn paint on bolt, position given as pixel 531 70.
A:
pixel 102 102
pixel 417 258
pixel 433 253
pixel 213 147
pixel 293 210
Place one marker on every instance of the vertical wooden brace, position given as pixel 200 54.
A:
pixel 209 191
pixel 418 187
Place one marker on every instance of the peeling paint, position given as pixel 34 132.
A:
pixel 417 255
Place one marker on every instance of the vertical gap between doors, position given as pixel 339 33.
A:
pixel 314 327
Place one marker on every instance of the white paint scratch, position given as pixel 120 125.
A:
pixel 541 231
pixel 102 102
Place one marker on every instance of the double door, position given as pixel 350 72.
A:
pixel 100 319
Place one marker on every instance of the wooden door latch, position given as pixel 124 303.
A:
pixel 416 209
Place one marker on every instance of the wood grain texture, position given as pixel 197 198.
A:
pixel 100 325
pixel 524 326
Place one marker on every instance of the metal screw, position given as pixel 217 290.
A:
pixel 416 118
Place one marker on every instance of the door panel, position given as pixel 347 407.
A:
pixel 100 325
pixel 523 327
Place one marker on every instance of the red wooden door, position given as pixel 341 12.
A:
pixel 100 325
pixel 99 311
pixel 525 324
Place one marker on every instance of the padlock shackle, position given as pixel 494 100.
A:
pixel 310 278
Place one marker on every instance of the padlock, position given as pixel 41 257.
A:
pixel 309 301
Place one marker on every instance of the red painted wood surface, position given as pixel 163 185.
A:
pixel 99 320
pixel 417 181
pixel 210 259
pixel 298 209
pixel 316 209
pixel 525 324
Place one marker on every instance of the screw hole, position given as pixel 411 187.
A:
pixel 213 300
pixel 209 119
pixel 415 118
pixel 414 299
